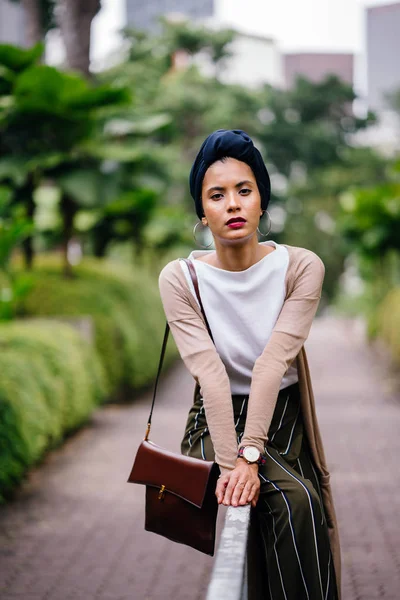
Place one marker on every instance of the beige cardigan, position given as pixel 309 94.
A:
pixel 304 279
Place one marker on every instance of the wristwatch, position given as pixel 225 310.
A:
pixel 251 455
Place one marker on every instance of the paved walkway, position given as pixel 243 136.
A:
pixel 75 530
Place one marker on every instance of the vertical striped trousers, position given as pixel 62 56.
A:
pixel 289 553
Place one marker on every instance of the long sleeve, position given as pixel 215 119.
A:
pixel 288 336
pixel 200 356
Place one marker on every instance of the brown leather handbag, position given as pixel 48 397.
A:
pixel 180 490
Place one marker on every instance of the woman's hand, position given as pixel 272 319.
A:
pixel 239 486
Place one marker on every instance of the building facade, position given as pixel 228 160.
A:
pixel 255 60
pixel 143 15
pixel 316 66
pixel 383 52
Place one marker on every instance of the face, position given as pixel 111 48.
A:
pixel 230 191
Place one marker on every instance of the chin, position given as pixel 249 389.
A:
pixel 239 236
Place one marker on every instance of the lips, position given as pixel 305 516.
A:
pixel 236 220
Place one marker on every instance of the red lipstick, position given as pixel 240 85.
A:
pixel 236 222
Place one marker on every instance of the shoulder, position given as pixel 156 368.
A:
pixel 303 258
pixel 170 270
pixel 172 277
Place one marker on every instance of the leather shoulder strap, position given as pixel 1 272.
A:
pixel 193 276
pixel 195 281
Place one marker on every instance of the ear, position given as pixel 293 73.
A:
pixel 204 221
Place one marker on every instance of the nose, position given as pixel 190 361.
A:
pixel 233 201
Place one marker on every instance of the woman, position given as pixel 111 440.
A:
pixel 253 410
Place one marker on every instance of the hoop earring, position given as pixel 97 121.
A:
pixel 194 235
pixel 262 234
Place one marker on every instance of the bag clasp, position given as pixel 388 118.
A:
pixel 161 493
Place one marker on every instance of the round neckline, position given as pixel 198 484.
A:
pixel 269 243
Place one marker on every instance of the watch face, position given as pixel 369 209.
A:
pixel 251 454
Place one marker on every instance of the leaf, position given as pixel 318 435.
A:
pixel 145 126
pixel 18 59
pixel 98 98
pixel 5 199
pixel 14 169
pixel 12 234
pixel 85 220
pixel 7 78
pixel 44 88
pixel 82 185
pixel 115 151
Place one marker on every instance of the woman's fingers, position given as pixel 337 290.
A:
pixel 245 493
pixel 256 497
pixel 229 491
pixel 240 489
pixel 221 487
pixel 244 497
pixel 255 490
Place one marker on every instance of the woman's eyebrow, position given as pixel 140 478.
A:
pixel 221 188
pixel 243 182
pixel 216 188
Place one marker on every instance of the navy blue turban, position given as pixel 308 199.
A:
pixel 233 143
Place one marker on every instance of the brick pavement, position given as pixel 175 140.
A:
pixel 359 413
pixel 75 529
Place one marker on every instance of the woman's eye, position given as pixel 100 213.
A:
pixel 214 197
pixel 246 191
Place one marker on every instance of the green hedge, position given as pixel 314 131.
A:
pixel 126 309
pixel 388 322
pixel 51 380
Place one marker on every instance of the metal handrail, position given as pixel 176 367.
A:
pixel 229 574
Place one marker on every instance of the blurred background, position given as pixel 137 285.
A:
pixel 103 106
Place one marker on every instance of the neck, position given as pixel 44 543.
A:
pixel 239 256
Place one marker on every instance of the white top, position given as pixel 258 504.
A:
pixel 242 308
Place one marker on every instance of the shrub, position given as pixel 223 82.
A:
pixel 51 380
pixel 125 307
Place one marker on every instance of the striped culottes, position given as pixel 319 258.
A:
pixel 289 554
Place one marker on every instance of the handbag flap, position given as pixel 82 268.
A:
pixel 181 475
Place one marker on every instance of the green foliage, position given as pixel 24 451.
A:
pixel 125 307
pixel 313 209
pixel 309 123
pixel 13 291
pixel 125 219
pixel 13 288
pixel 51 380
pixel 45 128
pixel 371 217
pixel 53 111
pixel 188 103
pixel 16 59
pixel 11 234
pixel 185 35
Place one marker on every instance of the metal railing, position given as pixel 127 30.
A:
pixel 229 574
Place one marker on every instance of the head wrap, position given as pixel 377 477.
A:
pixel 233 143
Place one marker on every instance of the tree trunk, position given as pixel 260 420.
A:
pixel 24 197
pixel 27 244
pixel 68 211
pixel 74 19
pixel 33 21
